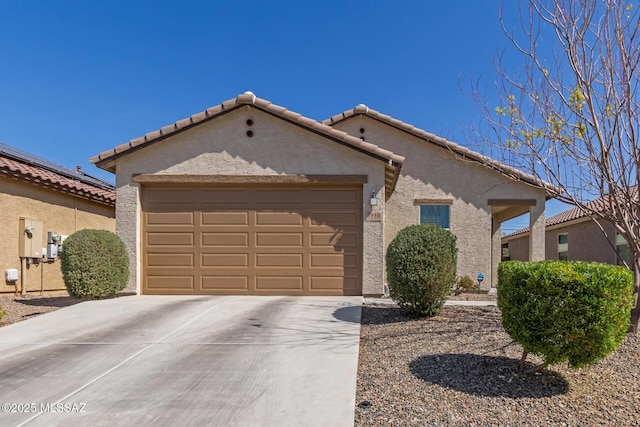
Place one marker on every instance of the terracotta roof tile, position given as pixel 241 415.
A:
pixel 566 216
pixel 28 170
pixel 183 123
pixel 466 153
pixel 106 159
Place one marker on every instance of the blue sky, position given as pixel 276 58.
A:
pixel 80 77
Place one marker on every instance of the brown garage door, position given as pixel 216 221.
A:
pixel 268 240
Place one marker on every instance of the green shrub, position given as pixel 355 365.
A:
pixel 465 284
pixel 94 263
pixel 565 311
pixel 421 268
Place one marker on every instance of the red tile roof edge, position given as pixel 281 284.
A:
pixel 458 149
pixel 249 98
pixel 572 214
pixel 39 175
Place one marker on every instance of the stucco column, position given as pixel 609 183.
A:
pixel 496 249
pixel 537 231
pixel 128 229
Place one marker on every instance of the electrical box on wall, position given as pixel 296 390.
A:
pixel 53 240
pixel 30 240
pixel 11 275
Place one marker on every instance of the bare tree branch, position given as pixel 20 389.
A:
pixel 571 116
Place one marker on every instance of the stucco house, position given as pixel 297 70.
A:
pixel 572 236
pixel 43 197
pixel 248 197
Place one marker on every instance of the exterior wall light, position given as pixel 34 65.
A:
pixel 374 199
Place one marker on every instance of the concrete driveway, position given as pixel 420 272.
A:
pixel 188 361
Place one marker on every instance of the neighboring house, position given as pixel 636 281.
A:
pixel 48 197
pixel 572 236
pixel 250 198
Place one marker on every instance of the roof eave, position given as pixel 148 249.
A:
pixel 107 159
pixel 443 143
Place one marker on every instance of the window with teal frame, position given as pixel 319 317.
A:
pixel 435 214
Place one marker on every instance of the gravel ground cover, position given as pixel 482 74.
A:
pixel 22 308
pixel 459 369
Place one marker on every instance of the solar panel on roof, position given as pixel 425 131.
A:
pixel 29 158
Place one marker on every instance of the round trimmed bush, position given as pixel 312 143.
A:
pixel 565 311
pixel 421 268
pixel 94 263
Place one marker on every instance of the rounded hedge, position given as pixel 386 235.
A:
pixel 94 263
pixel 565 311
pixel 421 268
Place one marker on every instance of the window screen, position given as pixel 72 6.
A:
pixel 435 214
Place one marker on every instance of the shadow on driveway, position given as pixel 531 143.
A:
pixel 348 314
pixel 489 376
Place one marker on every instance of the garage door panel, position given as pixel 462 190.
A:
pixel 225 218
pixel 332 197
pixel 350 286
pixel 170 282
pixel 279 260
pixel 170 218
pixel 293 197
pixel 279 283
pixel 209 239
pixel 328 282
pixel 334 260
pixel 335 286
pixel 334 239
pixel 237 283
pixel 278 218
pixel 327 260
pixel 225 260
pixel 170 260
pixel 224 197
pixel 167 197
pixel 170 239
pixel 279 239
pixel 334 219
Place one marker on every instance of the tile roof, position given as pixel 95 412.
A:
pixel 461 151
pixel 105 159
pixel 75 183
pixel 572 214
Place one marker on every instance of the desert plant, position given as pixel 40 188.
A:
pixel 565 311
pixel 465 284
pixel 421 268
pixel 94 263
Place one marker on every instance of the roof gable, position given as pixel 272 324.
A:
pixel 104 159
pixel 463 152
pixel 393 162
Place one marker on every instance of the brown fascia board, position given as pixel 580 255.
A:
pixel 465 153
pixel 106 159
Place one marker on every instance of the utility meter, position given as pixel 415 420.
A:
pixel 52 245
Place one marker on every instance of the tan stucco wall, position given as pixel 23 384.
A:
pixel 58 212
pixel 430 172
pixel 519 247
pixel 221 146
pixel 586 243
